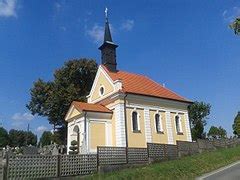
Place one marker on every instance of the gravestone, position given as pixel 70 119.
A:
pixel 30 150
pixel 55 151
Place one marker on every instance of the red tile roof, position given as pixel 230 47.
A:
pixel 90 107
pixel 142 85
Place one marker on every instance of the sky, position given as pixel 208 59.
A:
pixel 187 45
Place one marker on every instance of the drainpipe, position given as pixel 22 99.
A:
pixel 125 119
pixel 85 130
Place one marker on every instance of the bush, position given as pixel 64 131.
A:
pixel 74 147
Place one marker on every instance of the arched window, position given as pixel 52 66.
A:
pixel 77 134
pixel 135 125
pixel 158 123
pixel 101 91
pixel 178 125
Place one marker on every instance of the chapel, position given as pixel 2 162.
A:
pixel 126 109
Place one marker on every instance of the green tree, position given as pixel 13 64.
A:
pixel 3 137
pixel 19 138
pixel 217 132
pixel 222 132
pixel 46 138
pixel 213 132
pixel 198 113
pixel 236 125
pixel 16 138
pixel 30 138
pixel 235 25
pixel 52 99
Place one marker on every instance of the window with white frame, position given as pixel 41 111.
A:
pixel 135 123
pixel 158 123
pixel 178 124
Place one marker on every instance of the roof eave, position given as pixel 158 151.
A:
pixel 97 111
pixel 184 101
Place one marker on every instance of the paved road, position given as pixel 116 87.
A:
pixel 231 172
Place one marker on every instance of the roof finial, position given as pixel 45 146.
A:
pixel 106 14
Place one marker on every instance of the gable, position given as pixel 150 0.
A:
pixel 101 81
pixel 73 112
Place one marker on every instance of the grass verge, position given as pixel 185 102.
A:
pixel 184 168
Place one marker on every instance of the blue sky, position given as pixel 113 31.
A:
pixel 185 44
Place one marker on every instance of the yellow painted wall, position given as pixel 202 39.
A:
pixel 156 137
pixel 113 129
pixel 175 135
pixel 108 87
pixel 97 135
pixel 136 139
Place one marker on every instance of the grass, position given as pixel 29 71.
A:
pixel 184 168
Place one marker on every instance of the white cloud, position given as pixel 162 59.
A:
pixel 96 33
pixel 23 116
pixel 63 28
pixel 57 5
pixel 231 14
pixel 127 25
pixel 18 125
pixel 41 129
pixel 8 8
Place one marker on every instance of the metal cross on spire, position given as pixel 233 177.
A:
pixel 106 13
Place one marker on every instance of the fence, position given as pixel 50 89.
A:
pixel 187 148
pixel 137 155
pixel 47 166
pixel 111 155
pixel 39 166
pixel 121 155
pixel 78 164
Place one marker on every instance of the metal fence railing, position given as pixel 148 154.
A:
pixel 47 166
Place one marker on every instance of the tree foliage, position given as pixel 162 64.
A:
pixel 222 132
pixel 19 138
pixel 46 138
pixel 217 132
pixel 235 25
pixel 52 99
pixel 3 137
pixel 236 125
pixel 198 113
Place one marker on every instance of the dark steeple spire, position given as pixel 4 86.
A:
pixel 108 48
pixel 107 33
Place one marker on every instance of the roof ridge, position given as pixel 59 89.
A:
pixel 122 71
pixel 166 88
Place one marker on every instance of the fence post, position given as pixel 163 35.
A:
pixel 127 155
pixel 178 152
pixel 165 152
pixel 5 168
pixel 226 143
pixel 97 157
pixel 58 165
pixel 149 161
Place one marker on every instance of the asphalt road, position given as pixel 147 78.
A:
pixel 231 172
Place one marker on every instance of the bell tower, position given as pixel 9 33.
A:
pixel 108 48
